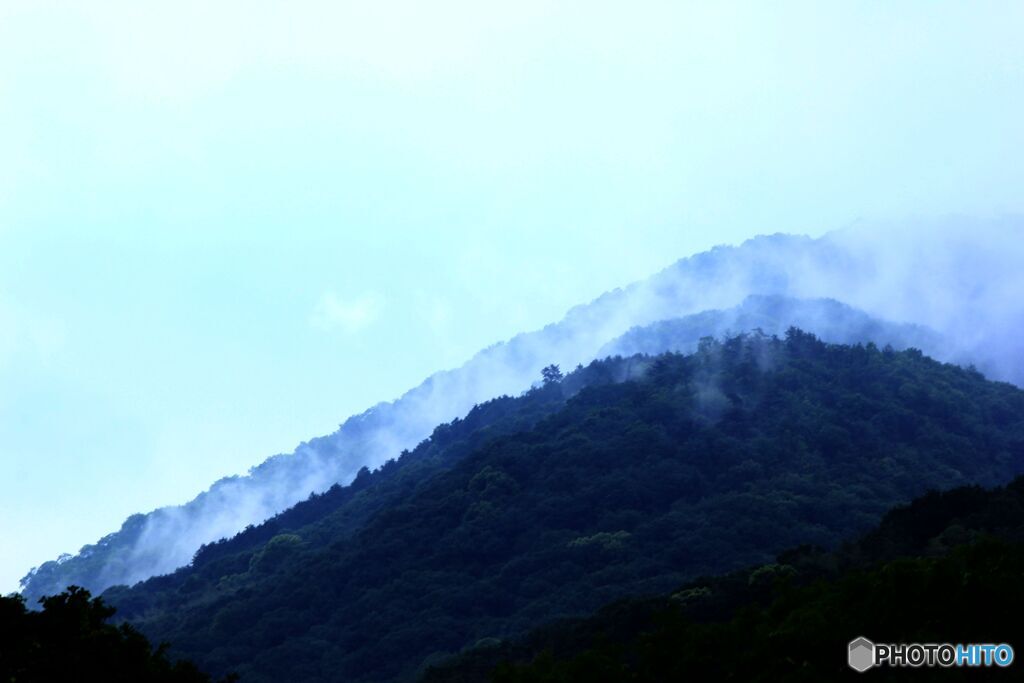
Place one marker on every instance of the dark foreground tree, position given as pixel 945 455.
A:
pixel 70 640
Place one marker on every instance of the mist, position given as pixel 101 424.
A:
pixel 955 286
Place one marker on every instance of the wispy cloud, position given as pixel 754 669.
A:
pixel 350 315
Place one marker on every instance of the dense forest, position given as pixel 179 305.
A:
pixel 71 639
pixel 627 477
pixel 946 568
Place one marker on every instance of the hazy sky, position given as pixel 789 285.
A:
pixel 224 227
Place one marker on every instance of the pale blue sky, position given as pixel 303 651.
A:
pixel 224 229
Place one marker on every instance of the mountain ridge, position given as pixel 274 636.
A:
pixel 699 463
pixel 835 265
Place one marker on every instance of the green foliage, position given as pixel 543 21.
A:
pixel 629 476
pixel 791 623
pixel 275 553
pixel 971 596
pixel 70 640
pixel 604 540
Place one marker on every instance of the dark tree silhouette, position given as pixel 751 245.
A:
pixel 70 640
pixel 552 374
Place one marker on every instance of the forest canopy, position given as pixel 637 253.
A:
pixel 627 477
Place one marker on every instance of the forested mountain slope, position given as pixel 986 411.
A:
pixel 700 464
pixel 963 286
pixel 944 569
pixel 950 299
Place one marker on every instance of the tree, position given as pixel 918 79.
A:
pixel 71 639
pixel 552 374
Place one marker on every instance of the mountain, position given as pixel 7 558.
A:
pixel 943 569
pixel 959 278
pixel 629 476
pixel 828 319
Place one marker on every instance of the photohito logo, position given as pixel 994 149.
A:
pixel 862 654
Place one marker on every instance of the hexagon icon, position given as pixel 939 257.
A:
pixel 861 654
